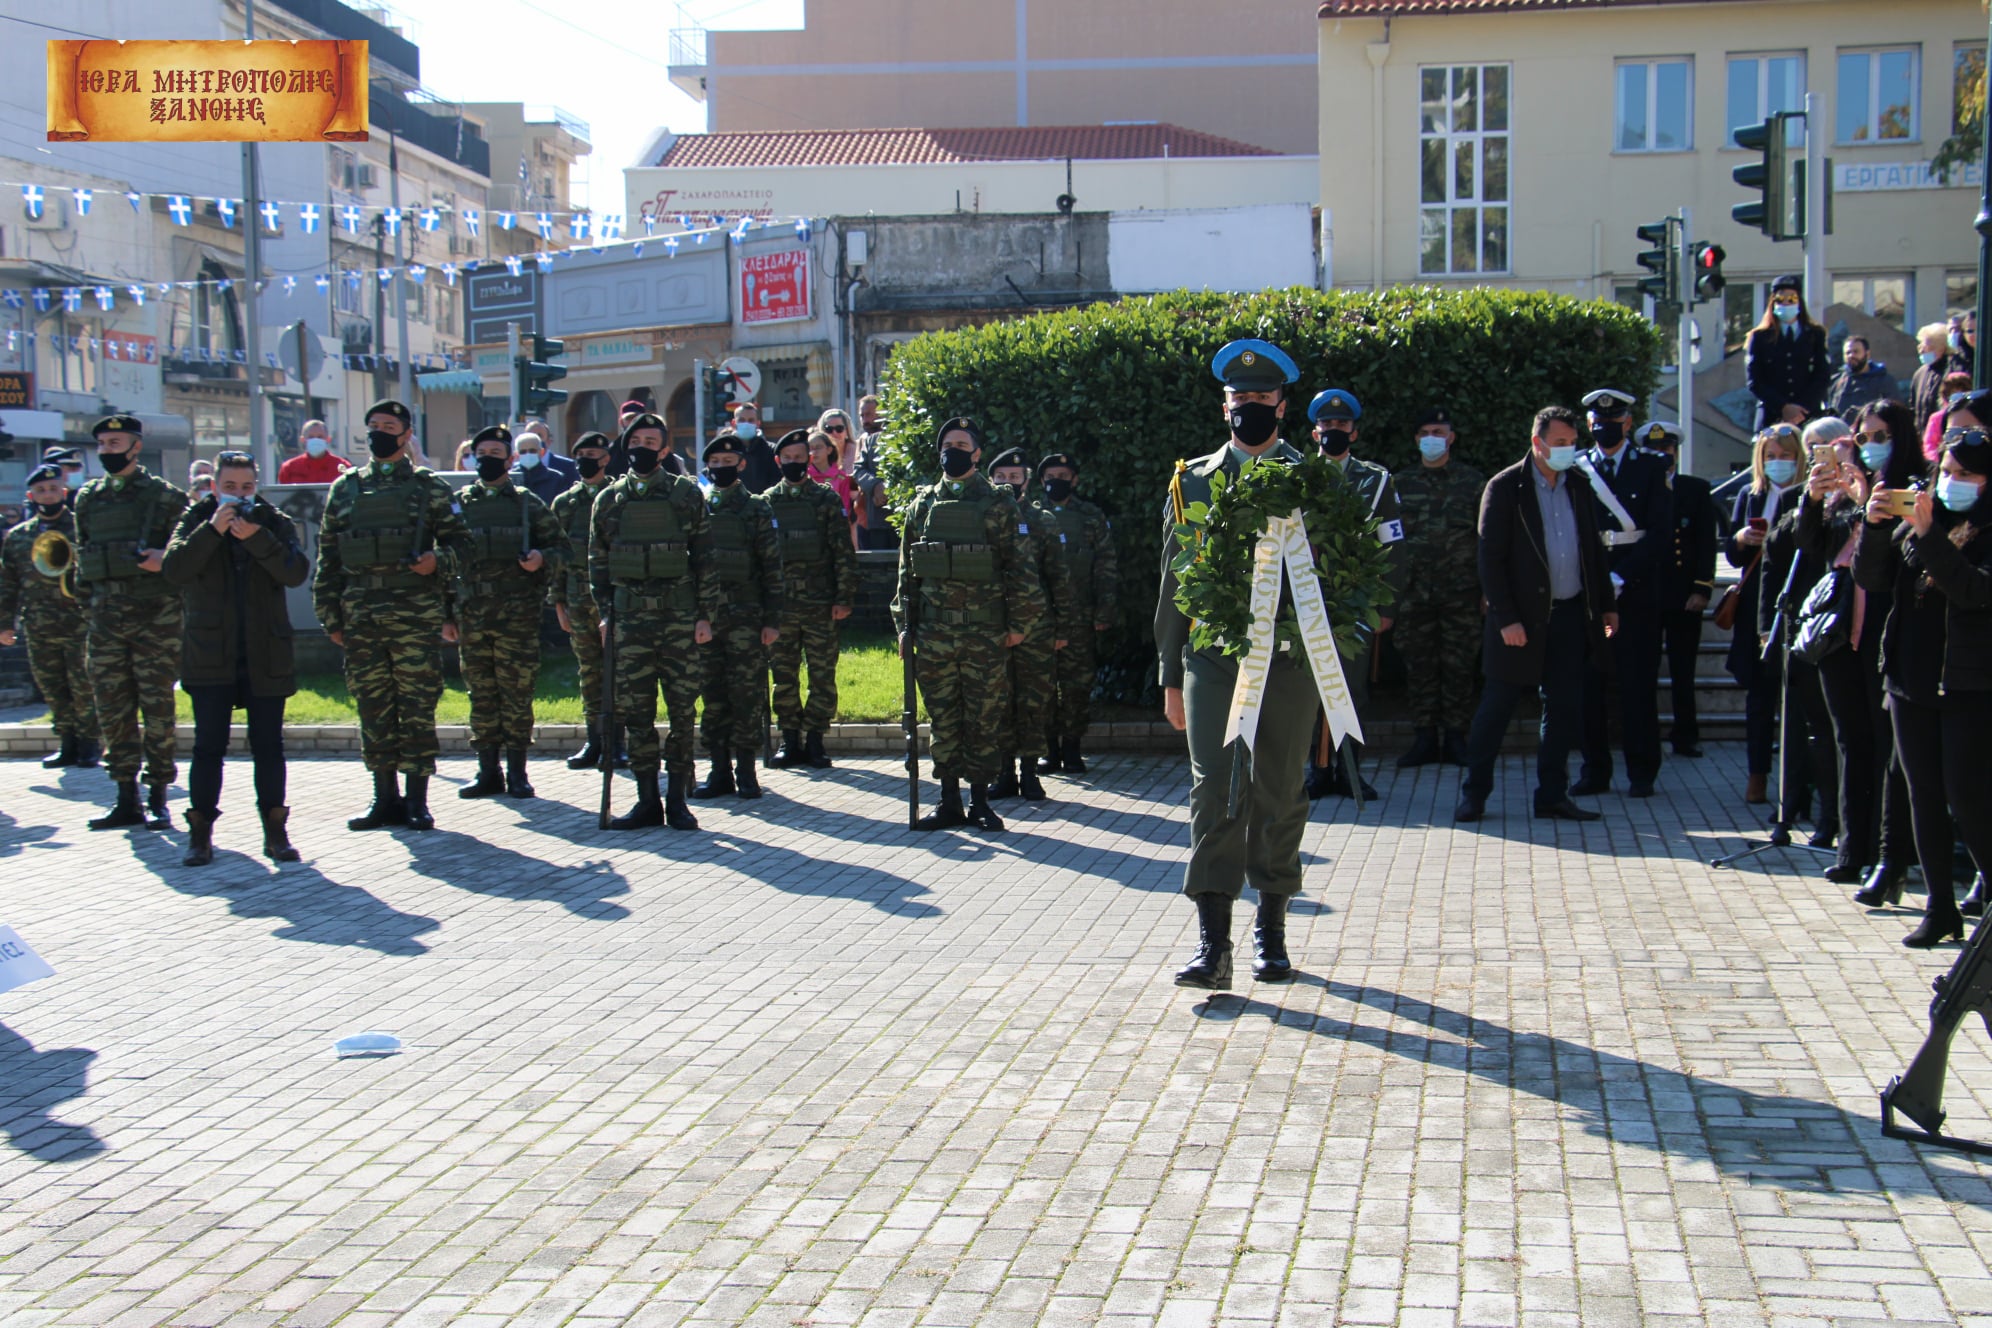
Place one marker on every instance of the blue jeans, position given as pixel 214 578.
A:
pixel 1562 693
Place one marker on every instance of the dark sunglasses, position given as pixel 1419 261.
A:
pixel 1965 438
pixel 1874 436
pixel 833 428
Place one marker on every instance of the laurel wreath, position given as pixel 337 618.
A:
pixel 1215 542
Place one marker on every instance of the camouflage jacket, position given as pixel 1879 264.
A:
pixel 160 507
pixel 573 507
pixel 25 593
pixel 494 575
pixel 1061 613
pixel 746 559
pixel 347 573
pixel 1010 598
pixel 1092 564
pixel 816 572
pixel 605 524
pixel 1441 511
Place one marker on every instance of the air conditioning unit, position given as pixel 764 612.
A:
pixel 359 176
pixel 54 213
pixel 464 245
pixel 356 337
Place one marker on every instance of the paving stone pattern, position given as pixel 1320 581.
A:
pixel 805 1068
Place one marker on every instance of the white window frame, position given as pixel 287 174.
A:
pixel 1478 204
pixel 1761 59
pixel 1873 53
pixel 1652 64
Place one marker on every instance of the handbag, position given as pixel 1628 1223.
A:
pixel 1826 617
pixel 1732 597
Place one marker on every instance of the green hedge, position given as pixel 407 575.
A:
pixel 1126 388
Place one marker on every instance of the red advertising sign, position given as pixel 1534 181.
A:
pixel 774 288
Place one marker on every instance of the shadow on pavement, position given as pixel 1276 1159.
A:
pixel 468 863
pixel 14 836
pixel 796 873
pixel 31 1084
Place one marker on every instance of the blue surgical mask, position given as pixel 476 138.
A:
pixel 72 479
pixel 1957 493
pixel 1431 447
pixel 747 429
pixel 1956 339
pixel 1875 455
pixel 1561 458
pixel 316 447
pixel 1928 357
pixel 1785 312
pixel 527 460
pixel 1781 471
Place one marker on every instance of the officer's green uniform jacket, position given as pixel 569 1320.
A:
pixel 1092 565
pixel 26 594
pixel 746 560
pixel 379 518
pixel 819 566
pixel 116 516
pixel 502 518
pixel 1440 508
pixel 608 551
pixel 988 584
pixel 573 507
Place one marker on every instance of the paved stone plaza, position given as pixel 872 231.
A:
pixel 806 1068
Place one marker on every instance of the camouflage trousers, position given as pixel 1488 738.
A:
pixel 809 632
pixel 584 622
pixel 498 645
pixel 1078 669
pixel 134 649
pixel 394 669
pixel 654 649
pixel 1438 638
pixel 1033 673
pixel 59 658
pixel 736 685
pixel 964 676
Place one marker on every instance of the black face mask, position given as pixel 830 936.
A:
pixel 589 467
pixel 957 461
pixel 1016 490
pixel 1254 422
pixel 723 477
pixel 1609 433
pixel 1335 442
pixel 113 462
pixel 1058 490
pixel 52 509
pixel 491 467
pixel 795 472
pixel 643 460
pixel 383 445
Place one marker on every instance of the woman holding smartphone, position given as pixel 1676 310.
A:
pixel 1774 477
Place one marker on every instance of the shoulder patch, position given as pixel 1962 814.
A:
pixel 1023 528
pixel 1389 532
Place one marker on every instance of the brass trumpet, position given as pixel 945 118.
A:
pixel 55 558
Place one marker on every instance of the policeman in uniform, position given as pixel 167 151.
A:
pixel 390 544
pixel 52 619
pixel 819 589
pixel 1262 842
pixel 573 601
pixel 123 522
pixel 1689 580
pixel 1438 618
pixel 747 584
pixel 1335 414
pixel 1092 570
pixel 650 559
pixel 1034 662
pixel 966 598
pixel 517 546
pixel 1635 509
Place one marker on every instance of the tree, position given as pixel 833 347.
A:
pixel 1966 145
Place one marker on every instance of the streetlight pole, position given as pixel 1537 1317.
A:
pixel 252 259
pixel 406 381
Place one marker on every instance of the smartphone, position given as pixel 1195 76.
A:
pixel 1759 523
pixel 1901 503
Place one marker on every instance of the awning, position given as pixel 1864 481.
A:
pixel 465 382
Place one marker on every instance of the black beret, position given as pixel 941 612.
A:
pixel 647 420
pixel 117 424
pixel 960 424
pixel 1012 457
pixel 593 438
pixel 793 436
pixel 724 441
pixel 41 473
pixel 1057 459
pixel 394 408
pixel 1434 415
pixel 492 433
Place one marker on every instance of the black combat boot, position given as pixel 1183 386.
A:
pixel 125 812
pixel 813 754
pixel 676 814
pixel 488 781
pixel 63 756
pixel 88 752
pixel 745 779
pixel 1052 761
pixel 516 783
pixel 590 755
pixel 387 809
pixel 276 835
pixel 1028 785
pixel 948 812
pixel 1071 758
pixel 790 753
pixel 649 809
pixel 719 782
pixel 156 815
pixel 1424 749
pixel 1006 782
pixel 1269 934
pixel 200 839
pixel 417 798
pixel 1210 966
pixel 1454 751
pixel 980 814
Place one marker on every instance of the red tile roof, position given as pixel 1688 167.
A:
pixel 1393 8
pixel 912 147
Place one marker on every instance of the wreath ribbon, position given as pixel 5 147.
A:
pixel 1282 554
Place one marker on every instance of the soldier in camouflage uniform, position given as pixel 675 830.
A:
pixel 1438 620
pixel 819 588
pixel 1034 662
pixel 966 598
pixel 123 522
pixel 574 601
pixel 650 560
pixel 517 547
pixel 52 620
pixel 1086 539
pixel 747 579
pixel 390 544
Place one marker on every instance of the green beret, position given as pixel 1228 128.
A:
pixel 793 436
pixel 1057 459
pixel 117 424
pixel 492 433
pixel 593 438
pixel 1011 457
pixel 647 420
pixel 394 408
pixel 724 441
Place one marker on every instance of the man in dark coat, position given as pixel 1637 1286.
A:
pixel 1785 358
pixel 1549 608
pixel 1861 379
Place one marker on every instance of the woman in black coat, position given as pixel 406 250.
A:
pixel 233 557
pixel 1784 358
pixel 1936 661
pixel 1772 491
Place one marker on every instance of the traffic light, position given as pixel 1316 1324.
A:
pixel 1709 280
pixel 718 391
pixel 1662 260
pixel 1770 176
pixel 536 371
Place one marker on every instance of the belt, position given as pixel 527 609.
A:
pixel 1615 538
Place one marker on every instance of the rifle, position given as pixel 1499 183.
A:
pixel 1918 1092
pixel 909 714
pixel 609 726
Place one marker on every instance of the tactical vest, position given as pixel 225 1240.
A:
pixel 383 527
pixel 955 562
pixel 500 529
pixel 732 530
pixel 119 527
pixel 1068 526
pixel 649 543
pixel 798 529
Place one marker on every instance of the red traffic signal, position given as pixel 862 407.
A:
pixel 1709 281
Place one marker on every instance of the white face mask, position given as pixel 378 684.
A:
pixel 527 460
pixel 316 447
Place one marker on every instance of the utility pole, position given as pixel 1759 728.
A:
pixel 252 259
pixel 406 381
pixel 1684 377
pixel 512 359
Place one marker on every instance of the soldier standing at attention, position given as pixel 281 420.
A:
pixel 573 601
pixel 966 598
pixel 1438 621
pixel 747 584
pixel 516 547
pixel 52 620
pixel 393 537
pixel 1262 841
pixel 650 559
pixel 1689 580
pixel 1092 569
pixel 1034 661
pixel 123 522
pixel 819 588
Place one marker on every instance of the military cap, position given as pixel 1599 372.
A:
pixel 1252 365
pixel 1608 401
pixel 1659 433
pixel 724 441
pixel 1790 282
pixel 1334 404
pixel 117 424
pixel 593 438
pixel 962 424
pixel 390 407
pixel 647 420
pixel 42 472
pixel 1012 457
pixel 492 433
pixel 1434 415
pixel 57 455
pixel 1057 459
pixel 793 436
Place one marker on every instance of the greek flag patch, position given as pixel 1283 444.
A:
pixel 457 508
pixel 1023 529
pixel 1389 532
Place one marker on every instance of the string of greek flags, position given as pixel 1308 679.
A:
pixel 132 349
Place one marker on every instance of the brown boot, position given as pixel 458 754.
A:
pixel 1755 791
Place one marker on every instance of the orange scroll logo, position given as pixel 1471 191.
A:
pixel 207 91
